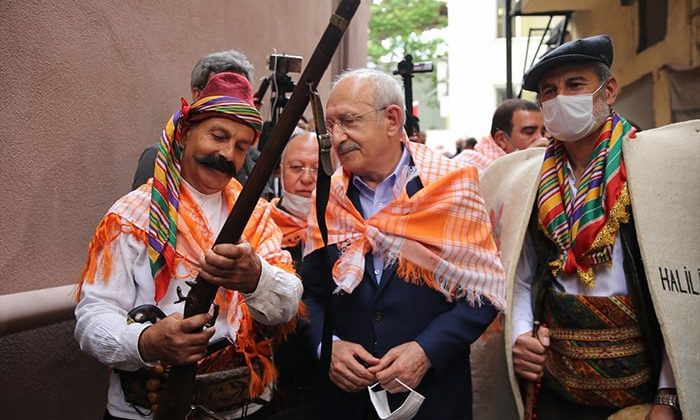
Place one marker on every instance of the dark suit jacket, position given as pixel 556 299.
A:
pixel 382 316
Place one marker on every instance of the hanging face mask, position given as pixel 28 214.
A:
pixel 408 409
pixel 571 118
pixel 296 204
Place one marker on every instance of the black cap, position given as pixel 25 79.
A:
pixel 595 48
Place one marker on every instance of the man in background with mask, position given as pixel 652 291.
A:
pixel 298 173
pixel 296 366
pixel 517 124
pixel 582 322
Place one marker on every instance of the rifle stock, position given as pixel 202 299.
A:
pixel 176 397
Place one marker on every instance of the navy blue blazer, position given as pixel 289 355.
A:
pixel 382 316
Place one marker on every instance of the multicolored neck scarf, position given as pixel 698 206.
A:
pixel 165 195
pixel 439 237
pixel 584 226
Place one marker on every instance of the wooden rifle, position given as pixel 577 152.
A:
pixel 177 396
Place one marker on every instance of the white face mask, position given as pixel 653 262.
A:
pixel 296 204
pixel 408 409
pixel 571 118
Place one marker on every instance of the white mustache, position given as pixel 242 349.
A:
pixel 347 146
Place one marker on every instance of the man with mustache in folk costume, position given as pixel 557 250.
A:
pixel 415 270
pixel 217 62
pixel 157 237
pixel 594 321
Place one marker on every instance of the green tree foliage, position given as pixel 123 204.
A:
pixel 396 28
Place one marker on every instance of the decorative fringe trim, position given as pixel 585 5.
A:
pixel 416 275
pixel 587 277
pixel 111 226
pixel 556 266
pixel 618 214
pixel 251 349
pixel 248 345
pixel 282 331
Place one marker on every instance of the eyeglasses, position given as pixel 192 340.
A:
pixel 298 170
pixel 349 122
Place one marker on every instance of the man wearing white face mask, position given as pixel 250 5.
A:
pixel 298 173
pixel 582 321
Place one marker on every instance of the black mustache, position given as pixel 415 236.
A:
pixel 217 162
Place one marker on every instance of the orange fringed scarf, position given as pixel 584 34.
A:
pixel 129 216
pixel 293 228
pixel 440 237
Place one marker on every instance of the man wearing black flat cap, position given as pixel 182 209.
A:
pixel 593 318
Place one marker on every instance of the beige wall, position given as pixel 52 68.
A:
pixel 86 86
pixel 679 48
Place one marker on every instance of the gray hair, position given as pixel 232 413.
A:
pixel 231 60
pixel 387 90
pixel 296 133
pixel 602 71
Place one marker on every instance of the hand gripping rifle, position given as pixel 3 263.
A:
pixel 177 396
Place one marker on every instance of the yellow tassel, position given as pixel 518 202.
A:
pixel 556 266
pixel 587 277
pixel 618 214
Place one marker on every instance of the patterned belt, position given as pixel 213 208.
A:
pixel 607 334
pixel 601 383
pixel 603 364
pixel 562 342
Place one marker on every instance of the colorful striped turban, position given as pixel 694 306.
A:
pixel 227 95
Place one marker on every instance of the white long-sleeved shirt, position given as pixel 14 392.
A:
pixel 101 328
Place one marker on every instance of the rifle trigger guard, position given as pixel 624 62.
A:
pixel 214 315
pixel 145 313
pixel 192 414
pixel 180 296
